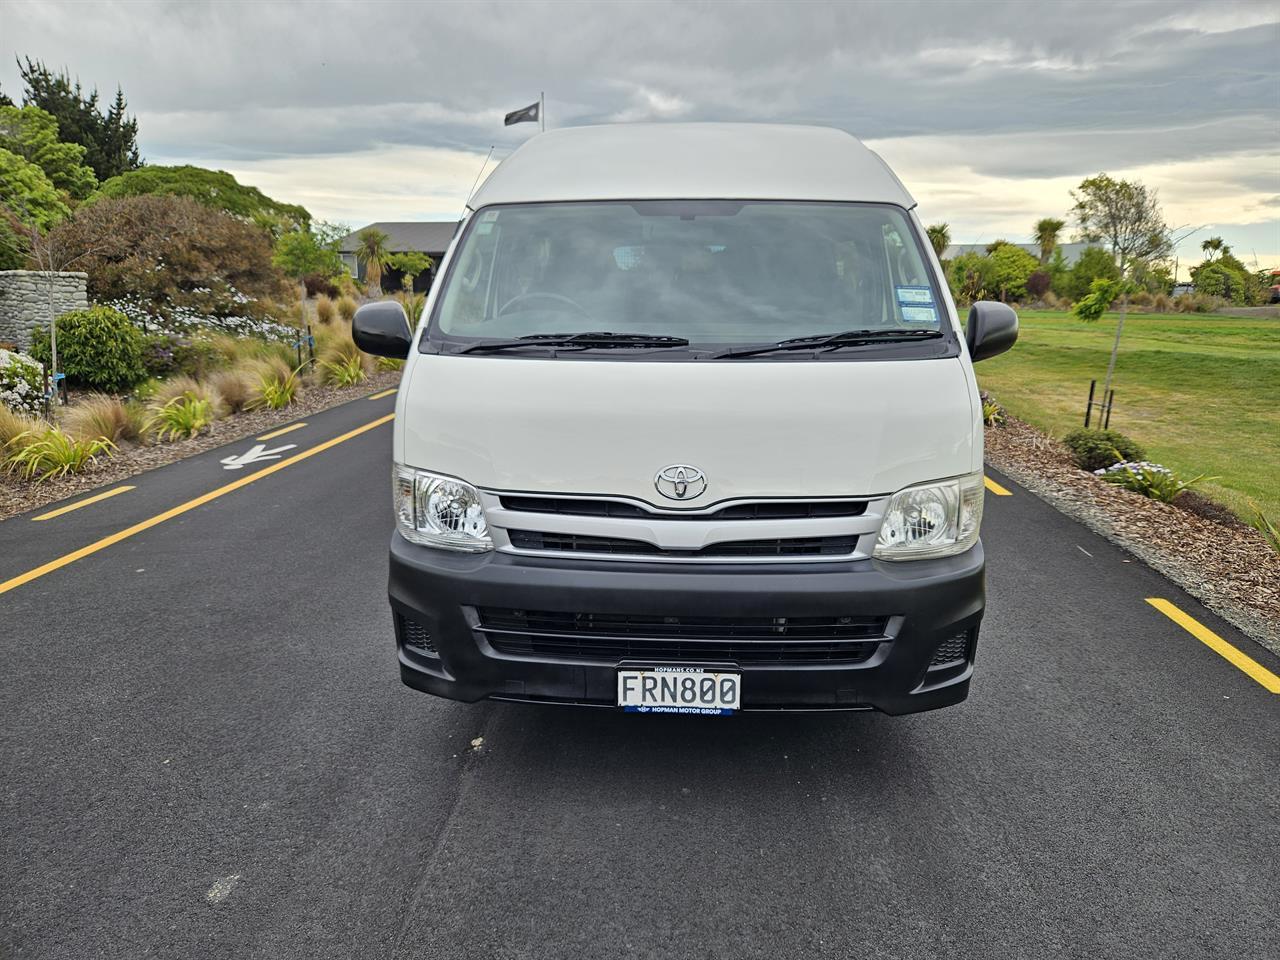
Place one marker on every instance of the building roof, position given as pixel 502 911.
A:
pixel 429 236
pixel 644 161
pixel 1070 251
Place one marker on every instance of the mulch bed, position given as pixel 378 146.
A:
pixel 19 496
pixel 1207 551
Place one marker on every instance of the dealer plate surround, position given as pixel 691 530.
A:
pixel 682 689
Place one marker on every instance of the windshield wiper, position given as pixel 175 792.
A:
pixel 832 341
pixel 604 339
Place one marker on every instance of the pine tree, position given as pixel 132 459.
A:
pixel 110 141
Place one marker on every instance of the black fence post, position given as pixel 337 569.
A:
pixel 1088 409
pixel 1106 423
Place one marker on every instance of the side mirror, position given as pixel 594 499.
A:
pixel 382 329
pixel 992 329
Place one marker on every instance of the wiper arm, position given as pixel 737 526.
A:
pixel 583 341
pixel 832 341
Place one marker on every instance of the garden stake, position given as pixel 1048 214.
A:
pixel 1088 407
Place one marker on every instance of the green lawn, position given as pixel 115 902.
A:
pixel 1201 393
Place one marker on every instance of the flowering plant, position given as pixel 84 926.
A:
pixel 225 310
pixel 1147 478
pixel 21 382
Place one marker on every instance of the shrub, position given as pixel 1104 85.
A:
pixel 98 348
pixel 157 248
pixel 181 417
pixel 99 415
pixel 276 386
pixel 992 413
pixel 21 383
pixel 342 372
pixel 234 387
pixel 14 425
pixel 388 363
pixel 1096 449
pixel 1161 303
pixel 1011 268
pixel 185 386
pixel 165 354
pixel 326 310
pixel 347 308
pixel 1038 284
pixel 1149 479
pixel 319 285
pixel 1264 525
pixel 53 453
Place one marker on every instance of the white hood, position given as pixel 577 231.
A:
pixel 754 429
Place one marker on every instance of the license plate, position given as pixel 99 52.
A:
pixel 679 690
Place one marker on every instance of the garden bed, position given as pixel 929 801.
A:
pixel 1225 564
pixel 18 496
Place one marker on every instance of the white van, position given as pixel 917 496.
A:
pixel 689 425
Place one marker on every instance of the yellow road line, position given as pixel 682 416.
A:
pixel 995 488
pixel 282 431
pixel 384 393
pixel 1219 646
pixel 182 508
pixel 83 503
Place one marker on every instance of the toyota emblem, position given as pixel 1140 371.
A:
pixel 680 482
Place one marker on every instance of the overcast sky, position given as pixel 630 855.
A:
pixel 989 112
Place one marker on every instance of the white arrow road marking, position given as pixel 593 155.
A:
pixel 258 452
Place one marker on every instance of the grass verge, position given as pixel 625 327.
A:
pixel 1200 392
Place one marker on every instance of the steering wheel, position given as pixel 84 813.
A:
pixel 542 295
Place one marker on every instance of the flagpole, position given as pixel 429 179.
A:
pixel 542 110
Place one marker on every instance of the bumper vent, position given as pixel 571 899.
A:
pixel 416 637
pixel 614 637
pixel 951 651
pixel 576 543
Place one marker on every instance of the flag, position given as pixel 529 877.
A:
pixel 529 113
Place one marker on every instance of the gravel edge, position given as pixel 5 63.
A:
pixel 1230 568
pixel 19 496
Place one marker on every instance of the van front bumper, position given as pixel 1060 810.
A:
pixel 932 610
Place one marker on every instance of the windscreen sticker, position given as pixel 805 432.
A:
pixel 918 314
pixel 920 295
pixel 489 216
pixel 483 228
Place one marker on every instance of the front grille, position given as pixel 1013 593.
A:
pixel 952 650
pixel 789 547
pixel 614 637
pixel 775 510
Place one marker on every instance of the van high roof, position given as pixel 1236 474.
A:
pixel 740 161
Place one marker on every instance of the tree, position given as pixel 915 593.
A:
pixel 1090 308
pixel 972 277
pixel 28 193
pixel 1011 267
pixel 1046 235
pixel 1094 263
pixel 110 140
pixel 372 252
pixel 213 188
pixel 32 134
pixel 1228 278
pixel 311 252
pixel 939 238
pixel 995 245
pixel 1212 246
pixel 164 250
pixel 1126 215
pixel 1123 214
pixel 410 263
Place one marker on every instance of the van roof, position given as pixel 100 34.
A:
pixel 693 161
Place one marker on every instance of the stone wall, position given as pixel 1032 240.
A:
pixel 24 301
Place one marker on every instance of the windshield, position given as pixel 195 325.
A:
pixel 712 273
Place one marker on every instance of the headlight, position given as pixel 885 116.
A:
pixel 932 520
pixel 439 511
